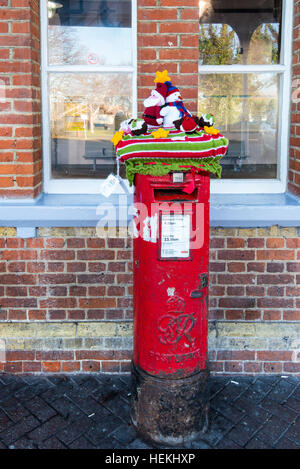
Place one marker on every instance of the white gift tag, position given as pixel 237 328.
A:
pixel 109 185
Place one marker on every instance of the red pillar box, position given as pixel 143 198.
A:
pixel 170 167
pixel 169 368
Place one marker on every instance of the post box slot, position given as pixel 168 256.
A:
pixel 174 194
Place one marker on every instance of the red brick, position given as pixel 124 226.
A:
pixel 97 302
pixel 275 243
pixel 237 302
pixel 93 254
pixel 241 279
pixel 275 279
pixel 236 255
pixel 75 243
pixel 54 355
pixel 255 267
pixel 235 243
pixel 76 267
pixel 235 355
pixel 189 14
pixel 272 315
pixel 97 291
pixel 62 254
pixel 179 27
pixel 116 267
pixel 70 367
pixel 271 254
pixel 275 303
pixel 90 366
pixel 51 367
pixel 217 266
pixel 291 367
pixel 157 14
pixel 273 367
pixel 95 243
pixel 110 366
pixel 236 266
pixel 274 355
pixel 291 315
pixel 275 267
pixel 13 367
pixel 255 291
pixel 293 243
pixel 32 367
pixel 174 3
pixel 58 303
pixel 37 315
pixel 252 367
pixel 55 243
pixel 14 356
pixel 233 367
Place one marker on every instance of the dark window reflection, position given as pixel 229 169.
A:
pixel 85 111
pixel 245 107
pixel 246 32
pixel 90 32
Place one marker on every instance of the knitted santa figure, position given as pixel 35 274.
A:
pixel 153 104
pixel 174 108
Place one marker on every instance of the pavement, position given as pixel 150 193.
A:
pixel 92 412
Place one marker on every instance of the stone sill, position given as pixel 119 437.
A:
pixel 59 210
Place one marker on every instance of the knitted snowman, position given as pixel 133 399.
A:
pixel 174 108
pixel 153 105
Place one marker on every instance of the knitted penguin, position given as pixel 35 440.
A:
pixel 134 126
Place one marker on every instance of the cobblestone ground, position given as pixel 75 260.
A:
pixel 88 411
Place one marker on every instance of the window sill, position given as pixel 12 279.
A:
pixel 238 210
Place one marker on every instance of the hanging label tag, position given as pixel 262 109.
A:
pixel 113 184
pixel 109 185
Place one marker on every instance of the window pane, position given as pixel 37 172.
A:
pixel 89 32
pixel 85 110
pixel 245 107
pixel 246 32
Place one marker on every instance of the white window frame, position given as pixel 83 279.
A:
pixel 84 185
pixel 264 186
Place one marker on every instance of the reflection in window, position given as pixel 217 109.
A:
pixel 85 110
pixel 87 105
pixel 246 111
pixel 245 32
pixel 218 45
pixel 263 48
pixel 90 32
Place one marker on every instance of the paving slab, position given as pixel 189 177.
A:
pixel 88 411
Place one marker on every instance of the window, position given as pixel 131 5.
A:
pixel 244 81
pixel 89 80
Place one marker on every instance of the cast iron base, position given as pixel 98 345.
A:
pixel 169 411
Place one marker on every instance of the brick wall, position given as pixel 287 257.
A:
pixel 294 159
pixel 168 39
pixel 66 301
pixel 66 295
pixel 20 122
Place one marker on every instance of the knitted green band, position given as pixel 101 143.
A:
pixel 162 166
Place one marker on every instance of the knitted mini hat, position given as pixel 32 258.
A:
pixel 162 89
pixel 171 88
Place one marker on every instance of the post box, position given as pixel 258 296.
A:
pixel 169 402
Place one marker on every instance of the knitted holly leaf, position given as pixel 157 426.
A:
pixel 162 77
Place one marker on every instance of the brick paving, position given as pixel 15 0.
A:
pixel 92 412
